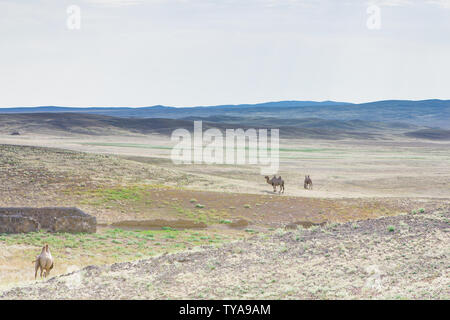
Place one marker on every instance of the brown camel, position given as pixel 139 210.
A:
pixel 44 261
pixel 275 182
pixel 308 183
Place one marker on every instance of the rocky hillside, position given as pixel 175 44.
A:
pixel 393 257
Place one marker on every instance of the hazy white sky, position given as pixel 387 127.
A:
pixel 208 52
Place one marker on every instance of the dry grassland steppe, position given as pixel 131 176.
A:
pixel 376 224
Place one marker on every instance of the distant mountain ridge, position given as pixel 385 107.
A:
pixel 290 103
pixel 430 113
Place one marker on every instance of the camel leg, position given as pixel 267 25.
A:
pixel 36 267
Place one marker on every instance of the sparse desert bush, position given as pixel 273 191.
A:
pixel 280 231
pixel 391 228
pixel 331 225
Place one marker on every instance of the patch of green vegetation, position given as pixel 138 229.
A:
pixel 124 145
pixel 198 205
pixel 119 244
pixel 312 158
pixel 119 197
pixel 108 196
pixel 391 228
pixel 308 150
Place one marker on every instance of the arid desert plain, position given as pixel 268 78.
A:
pixel 375 225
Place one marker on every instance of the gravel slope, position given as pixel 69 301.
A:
pixel 393 257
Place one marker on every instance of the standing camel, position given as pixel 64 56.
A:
pixel 308 183
pixel 275 182
pixel 44 261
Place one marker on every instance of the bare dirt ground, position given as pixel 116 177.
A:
pixel 405 183
pixel 402 257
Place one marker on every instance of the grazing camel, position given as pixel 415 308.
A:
pixel 44 261
pixel 308 183
pixel 275 182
